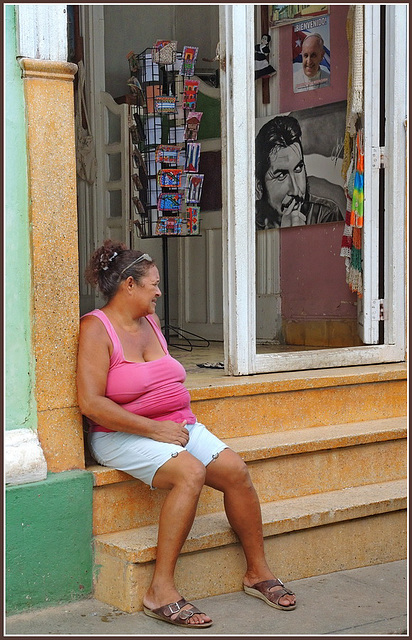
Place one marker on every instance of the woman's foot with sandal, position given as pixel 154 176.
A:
pixel 272 591
pixel 176 611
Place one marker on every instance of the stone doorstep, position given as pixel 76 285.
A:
pixel 275 444
pixel 271 445
pixel 231 386
pixel 210 531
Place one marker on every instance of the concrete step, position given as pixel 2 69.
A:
pixel 304 536
pixel 330 458
pixel 247 405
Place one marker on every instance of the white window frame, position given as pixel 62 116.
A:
pixel 238 169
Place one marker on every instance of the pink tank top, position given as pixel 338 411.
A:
pixel 151 389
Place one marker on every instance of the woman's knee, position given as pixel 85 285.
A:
pixel 183 470
pixel 228 470
pixel 193 472
pixel 239 472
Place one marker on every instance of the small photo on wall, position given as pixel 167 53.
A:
pixel 311 54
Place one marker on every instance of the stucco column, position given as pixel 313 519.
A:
pixel 48 89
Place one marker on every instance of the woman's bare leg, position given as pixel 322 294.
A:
pixel 184 477
pixel 229 474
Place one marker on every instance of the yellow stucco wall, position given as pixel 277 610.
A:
pixel 48 90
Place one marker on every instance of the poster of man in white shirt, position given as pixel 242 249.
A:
pixel 311 54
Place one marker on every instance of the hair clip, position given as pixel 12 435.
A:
pixel 110 259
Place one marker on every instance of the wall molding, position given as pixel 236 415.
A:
pixel 48 69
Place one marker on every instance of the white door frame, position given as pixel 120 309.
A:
pixel 369 305
pixel 238 189
pixel 238 140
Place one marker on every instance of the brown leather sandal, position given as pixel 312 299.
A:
pixel 262 590
pixel 166 612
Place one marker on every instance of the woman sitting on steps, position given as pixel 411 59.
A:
pixel 140 421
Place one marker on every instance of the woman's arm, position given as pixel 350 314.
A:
pixel 92 368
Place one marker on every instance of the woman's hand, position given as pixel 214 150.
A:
pixel 171 432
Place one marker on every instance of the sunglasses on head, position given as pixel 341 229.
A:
pixel 144 256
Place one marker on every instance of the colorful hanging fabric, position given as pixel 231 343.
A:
pixel 351 248
pixel 346 246
pixel 354 109
pixel 357 199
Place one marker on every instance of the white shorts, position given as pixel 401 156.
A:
pixel 141 457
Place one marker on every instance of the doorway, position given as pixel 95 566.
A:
pixel 215 316
pixel 194 269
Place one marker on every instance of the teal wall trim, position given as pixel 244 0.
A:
pixel 49 555
pixel 20 404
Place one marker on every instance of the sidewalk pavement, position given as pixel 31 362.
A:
pixel 369 601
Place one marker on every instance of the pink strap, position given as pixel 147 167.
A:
pixel 117 347
pixel 158 332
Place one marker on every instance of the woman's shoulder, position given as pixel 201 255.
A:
pixel 93 318
pixel 96 323
pixel 97 333
pixel 153 318
pixel 93 323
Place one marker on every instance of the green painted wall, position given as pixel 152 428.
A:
pixel 49 541
pixel 20 406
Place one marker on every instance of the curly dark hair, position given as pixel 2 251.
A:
pixel 112 263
